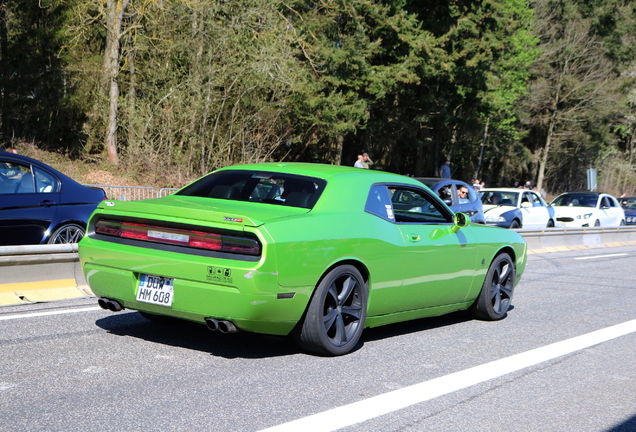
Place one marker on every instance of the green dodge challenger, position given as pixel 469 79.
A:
pixel 315 251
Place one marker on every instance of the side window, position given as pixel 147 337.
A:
pixel 446 194
pixel 537 201
pixel 414 206
pixel 526 198
pixel 379 203
pixel 15 178
pixel 472 195
pixel 44 182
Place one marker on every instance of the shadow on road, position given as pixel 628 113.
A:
pixel 185 334
pixel 628 425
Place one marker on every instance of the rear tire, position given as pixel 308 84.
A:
pixel 336 314
pixel 496 294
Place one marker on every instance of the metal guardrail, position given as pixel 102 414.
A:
pixel 52 272
pixel 553 239
pixel 133 193
pixel 38 254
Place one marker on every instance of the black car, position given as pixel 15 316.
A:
pixel 448 191
pixel 39 204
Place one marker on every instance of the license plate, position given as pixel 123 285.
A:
pixel 156 290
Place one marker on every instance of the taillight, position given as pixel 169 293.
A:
pixel 176 236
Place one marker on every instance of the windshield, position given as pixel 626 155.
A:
pixel 576 200
pixel 501 198
pixel 628 203
pixel 258 186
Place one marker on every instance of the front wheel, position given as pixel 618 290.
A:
pixel 597 223
pixel 496 293
pixel 550 223
pixel 514 224
pixel 336 314
pixel 71 233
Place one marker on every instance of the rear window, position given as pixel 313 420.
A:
pixel 258 186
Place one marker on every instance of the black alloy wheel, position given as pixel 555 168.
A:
pixel 336 314
pixel 496 294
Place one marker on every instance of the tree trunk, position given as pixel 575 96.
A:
pixel 4 42
pixel 481 149
pixel 132 91
pixel 339 146
pixel 114 18
pixel 546 149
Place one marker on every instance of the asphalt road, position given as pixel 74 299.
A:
pixel 69 366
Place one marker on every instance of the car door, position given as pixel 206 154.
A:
pixel 439 265
pixel 614 214
pixel 535 214
pixel 25 214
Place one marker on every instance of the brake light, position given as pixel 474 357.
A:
pixel 176 236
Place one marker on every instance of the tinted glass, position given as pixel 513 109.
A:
pixel 15 178
pixel 576 200
pixel 410 205
pixel 628 203
pixel 379 203
pixel 258 186
pixel 500 198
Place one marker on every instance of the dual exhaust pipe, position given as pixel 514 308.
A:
pixel 111 305
pixel 224 326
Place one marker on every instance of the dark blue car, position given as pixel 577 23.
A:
pixel 629 205
pixel 39 204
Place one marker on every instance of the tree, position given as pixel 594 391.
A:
pixel 574 84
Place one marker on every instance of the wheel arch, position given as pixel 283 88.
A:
pixel 62 224
pixel 506 249
pixel 364 271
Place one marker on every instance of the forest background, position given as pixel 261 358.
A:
pixel 164 91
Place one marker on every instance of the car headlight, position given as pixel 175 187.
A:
pixel 495 219
pixel 584 216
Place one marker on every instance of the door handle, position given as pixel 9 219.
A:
pixel 414 237
pixel 47 203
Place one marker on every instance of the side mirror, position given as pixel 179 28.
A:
pixel 460 221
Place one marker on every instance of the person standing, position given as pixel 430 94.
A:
pixel 444 171
pixel 363 161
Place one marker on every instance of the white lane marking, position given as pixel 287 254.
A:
pixel 57 312
pixel 376 406
pixel 600 256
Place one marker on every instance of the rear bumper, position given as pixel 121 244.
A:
pixel 246 294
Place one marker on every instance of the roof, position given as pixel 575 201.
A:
pixel 320 170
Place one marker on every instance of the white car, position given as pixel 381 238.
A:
pixel 587 209
pixel 516 208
